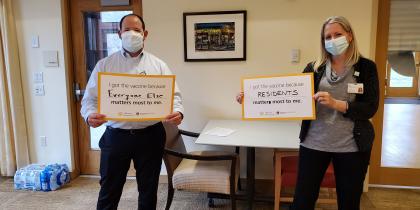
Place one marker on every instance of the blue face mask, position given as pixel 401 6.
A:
pixel 336 46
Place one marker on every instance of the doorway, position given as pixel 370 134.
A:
pixel 94 28
pixel 402 106
pixel 394 155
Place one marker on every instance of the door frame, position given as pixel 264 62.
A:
pixel 68 57
pixel 378 174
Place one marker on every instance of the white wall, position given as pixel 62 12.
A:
pixel 46 115
pixel 274 27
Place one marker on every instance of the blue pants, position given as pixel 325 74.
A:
pixel 118 148
pixel 349 170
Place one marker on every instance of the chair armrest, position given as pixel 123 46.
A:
pixel 189 133
pixel 227 156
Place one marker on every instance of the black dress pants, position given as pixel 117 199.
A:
pixel 118 148
pixel 349 169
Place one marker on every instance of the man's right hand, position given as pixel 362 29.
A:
pixel 240 97
pixel 95 120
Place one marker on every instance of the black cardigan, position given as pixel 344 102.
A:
pixel 360 110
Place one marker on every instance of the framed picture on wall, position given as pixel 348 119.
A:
pixel 215 36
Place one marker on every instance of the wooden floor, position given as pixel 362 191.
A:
pixel 401 136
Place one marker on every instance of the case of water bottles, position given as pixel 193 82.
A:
pixel 40 177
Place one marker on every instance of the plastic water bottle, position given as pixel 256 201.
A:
pixel 19 182
pixel 36 180
pixel 45 180
pixel 41 177
pixel 29 180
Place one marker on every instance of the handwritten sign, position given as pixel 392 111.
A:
pixel 287 97
pixel 130 97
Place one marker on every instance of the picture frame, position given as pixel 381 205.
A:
pixel 214 36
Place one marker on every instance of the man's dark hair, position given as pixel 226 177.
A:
pixel 135 15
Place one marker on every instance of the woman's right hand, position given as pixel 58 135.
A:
pixel 240 97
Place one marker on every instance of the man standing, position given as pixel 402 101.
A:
pixel 142 142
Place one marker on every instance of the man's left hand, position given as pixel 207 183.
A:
pixel 174 118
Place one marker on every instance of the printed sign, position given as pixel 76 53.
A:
pixel 130 97
pixel 286 97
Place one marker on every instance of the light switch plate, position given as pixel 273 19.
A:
pixel 38 77
pixel 35 41
pixel 43 140
pixel 295 55
pixel 50 58
pixel 39 89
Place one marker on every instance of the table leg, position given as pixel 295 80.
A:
pixel 250 176
pixel 277 179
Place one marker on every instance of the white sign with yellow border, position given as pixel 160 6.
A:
pixel 285 97
pixel 130 97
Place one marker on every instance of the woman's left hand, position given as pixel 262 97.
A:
pixel 326 99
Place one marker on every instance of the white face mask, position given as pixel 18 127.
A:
pixel 132 41
pixel 336 46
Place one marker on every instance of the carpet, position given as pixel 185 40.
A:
pixel 82 192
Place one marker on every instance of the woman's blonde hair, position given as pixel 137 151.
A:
pixel 352 49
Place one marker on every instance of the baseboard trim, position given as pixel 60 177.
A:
pixel 394 187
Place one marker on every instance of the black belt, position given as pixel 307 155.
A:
pixel 133 131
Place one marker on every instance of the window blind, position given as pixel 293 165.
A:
pixel 404 27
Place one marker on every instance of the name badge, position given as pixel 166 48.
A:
pixel 355 88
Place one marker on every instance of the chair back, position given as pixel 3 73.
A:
pixel 174 142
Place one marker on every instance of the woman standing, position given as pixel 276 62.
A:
pixel 347 96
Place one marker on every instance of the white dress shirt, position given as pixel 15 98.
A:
pixel 121 62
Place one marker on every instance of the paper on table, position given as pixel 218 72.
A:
pixel 217 131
